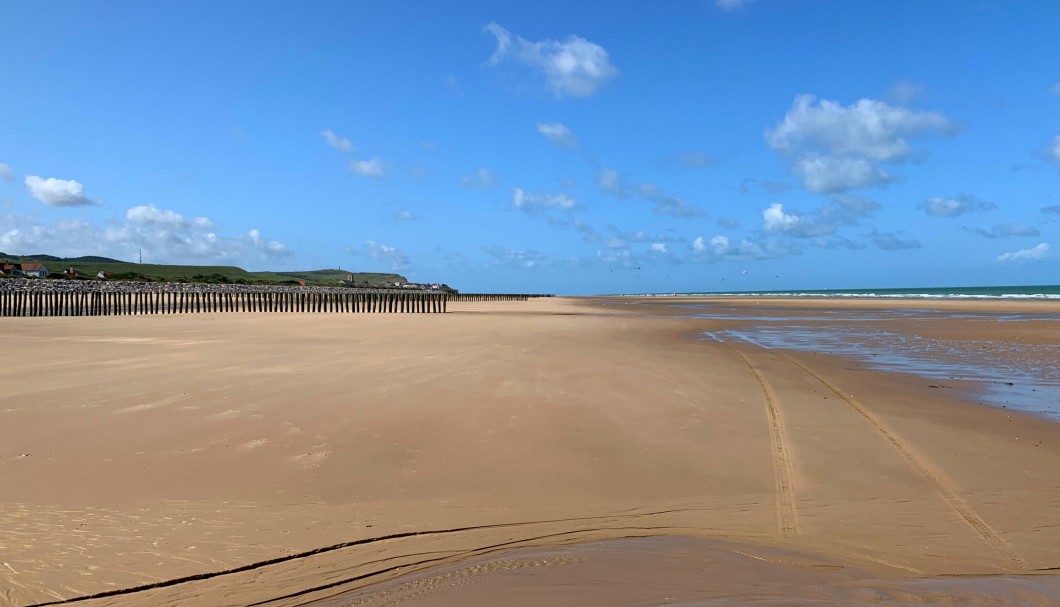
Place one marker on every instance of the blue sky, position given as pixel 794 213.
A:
pixel 544 147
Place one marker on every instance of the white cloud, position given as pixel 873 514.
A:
pixel 1003 230
pixel 1054 148
pixel 663 203
pixel 391 256
pixel 337 142
pixel 514 258
pixel 721 247
pixel 730 5
pixel 774 219
pixel 404 215
pixel 610 182
pixel 841 210
pixel 1055 89
pixel 6 174
pixel 937 206
pixel 838 174
pixel 164 236
pixel 836 148
pixel 367 168
pixel 480 179
pixel 152 216
pixel 659 247
pixel 571 68
pixel 58 192
pixel 557 133
pixel 535 202
pixel 888 241
pixel 1032 253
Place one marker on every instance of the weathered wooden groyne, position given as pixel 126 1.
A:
pixel 24 297
pixel 495 297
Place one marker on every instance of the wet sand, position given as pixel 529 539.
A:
pixel 282 459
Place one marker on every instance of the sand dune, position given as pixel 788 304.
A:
pixel 281 459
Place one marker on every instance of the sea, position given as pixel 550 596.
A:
pixel 1002 369
pixel 1002 292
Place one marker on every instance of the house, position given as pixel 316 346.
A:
pixel 35 269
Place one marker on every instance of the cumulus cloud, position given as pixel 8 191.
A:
pixel 535 202
pixel 1036 252
pixel 841 210
pixel 557 133
pixel 337 142
pixel 58 192
pixel 1003 230
pixel 151 216
pixel 367 168
pixel 387 255
pixel 721 247
pixel 888 241
pixel 574 67
pixel 774 219
pixel 835 148
pixel 404 215
pixel 659 247
pixel 6 174
pixel 480 179
pixel 165 236
pixel 937 206
pixel 663 203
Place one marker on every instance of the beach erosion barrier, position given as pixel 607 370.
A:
pixel 495 297
pixel 36 297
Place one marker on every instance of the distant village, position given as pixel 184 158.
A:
pixel 38 269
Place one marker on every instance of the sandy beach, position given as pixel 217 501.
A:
pixel 519 450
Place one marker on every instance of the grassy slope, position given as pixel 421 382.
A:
pixel 89 266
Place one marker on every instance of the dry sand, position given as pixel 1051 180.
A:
pixel 284 459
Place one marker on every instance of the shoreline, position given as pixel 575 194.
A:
pixel 501 424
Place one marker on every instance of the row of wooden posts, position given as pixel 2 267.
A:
pixel 118 303
pixel 493 297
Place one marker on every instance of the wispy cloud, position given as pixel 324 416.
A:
pixel 1003 230
pixel 1036 252
pixel 888 241
pixel 663 203
pixel 535 202
pixel 731 5
pixel 6 174
pixel 557 133
pixel 574 67
pixel 937 206
pixel 390 256
pixel 339 143
pixel 480 179
pixel 368 168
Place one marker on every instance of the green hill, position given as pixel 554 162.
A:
pixel 89 266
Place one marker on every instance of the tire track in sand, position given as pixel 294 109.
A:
pixel 783 468
pixel 925 469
